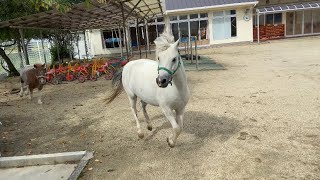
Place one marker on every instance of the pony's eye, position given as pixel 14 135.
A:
pixel 174 60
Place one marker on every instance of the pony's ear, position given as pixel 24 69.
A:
pixel 176 44
pixel 155 42
pixel 43 65
pixel 35 66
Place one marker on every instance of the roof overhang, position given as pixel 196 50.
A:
pixel 289 7
pixel 96 16
pixel 216 7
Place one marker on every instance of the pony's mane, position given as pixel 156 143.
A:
pixel 163 42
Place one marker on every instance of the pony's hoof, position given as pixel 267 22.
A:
pixel 141 135
pixel 21 95
pixel 40 102
pixel 170 143
pixel 149 128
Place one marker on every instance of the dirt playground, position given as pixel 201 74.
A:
pixel 258 119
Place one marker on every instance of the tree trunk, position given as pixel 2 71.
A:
pixel 26 53
pixel 12 69
pixel 19 52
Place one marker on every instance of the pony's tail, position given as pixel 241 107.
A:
pixel 116 91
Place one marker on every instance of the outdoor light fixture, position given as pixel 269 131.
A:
pixel 246 16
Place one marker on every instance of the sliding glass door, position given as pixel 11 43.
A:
pixel 289 23
pixel 316 21
pixel 302 22
pixel 298 22
pixel 307 22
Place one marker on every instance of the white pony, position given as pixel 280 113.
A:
pixel 159 83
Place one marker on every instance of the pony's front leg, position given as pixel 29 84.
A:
pixel 21 90
pixel 30 93
pixel 27 91
pixel 179 117
pixel 176 128
pixel 39 97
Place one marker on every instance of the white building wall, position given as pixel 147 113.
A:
pixel 244 28
pixel 95 45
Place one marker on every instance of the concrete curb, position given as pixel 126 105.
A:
pixel 79 157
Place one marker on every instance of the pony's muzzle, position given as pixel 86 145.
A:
pixel 42 79
pixel 163 81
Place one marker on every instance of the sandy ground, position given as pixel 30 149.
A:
pixel 259 119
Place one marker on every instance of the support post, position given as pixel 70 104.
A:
pixel 145 41
pixel 39 52
pixel 78 49
pixel 58 51
pixel 129 40
pixel 196 52
pixel 112 38
pixel 147 33
pixel 85 44
pixel 43 50
pixel 190 39
pixel 20 55
pixel 117 37
pixel 124 27
pixel 120 41
pixel 70 53
pixel 258 28
pixel 24 49
pixel 138 37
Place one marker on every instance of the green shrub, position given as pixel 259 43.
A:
pixel 63 51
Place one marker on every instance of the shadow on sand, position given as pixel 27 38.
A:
pixel 204 125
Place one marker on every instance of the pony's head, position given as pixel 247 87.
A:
pixel 168 57
pixel 40 73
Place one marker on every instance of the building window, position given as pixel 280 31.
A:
pixel 224 25
pixel 277 19
pixel 194 16
pixel 160 19
pixel 203 15
pixel 184 17
pixel 173 18
pixel 316 21
pixel 269 19
pixel 112 39
pixel 191 25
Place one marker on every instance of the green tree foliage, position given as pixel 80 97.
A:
pixel 10 9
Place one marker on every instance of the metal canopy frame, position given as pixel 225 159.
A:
pixel 284 8
pixel 96 16
pixel 103 16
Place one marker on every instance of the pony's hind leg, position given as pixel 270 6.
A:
pixel 133 104
pixel 144 105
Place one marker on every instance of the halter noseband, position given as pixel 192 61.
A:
pixel 38 77
pixel 170 72
pixel 41 76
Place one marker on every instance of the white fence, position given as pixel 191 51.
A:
pixel 35 54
